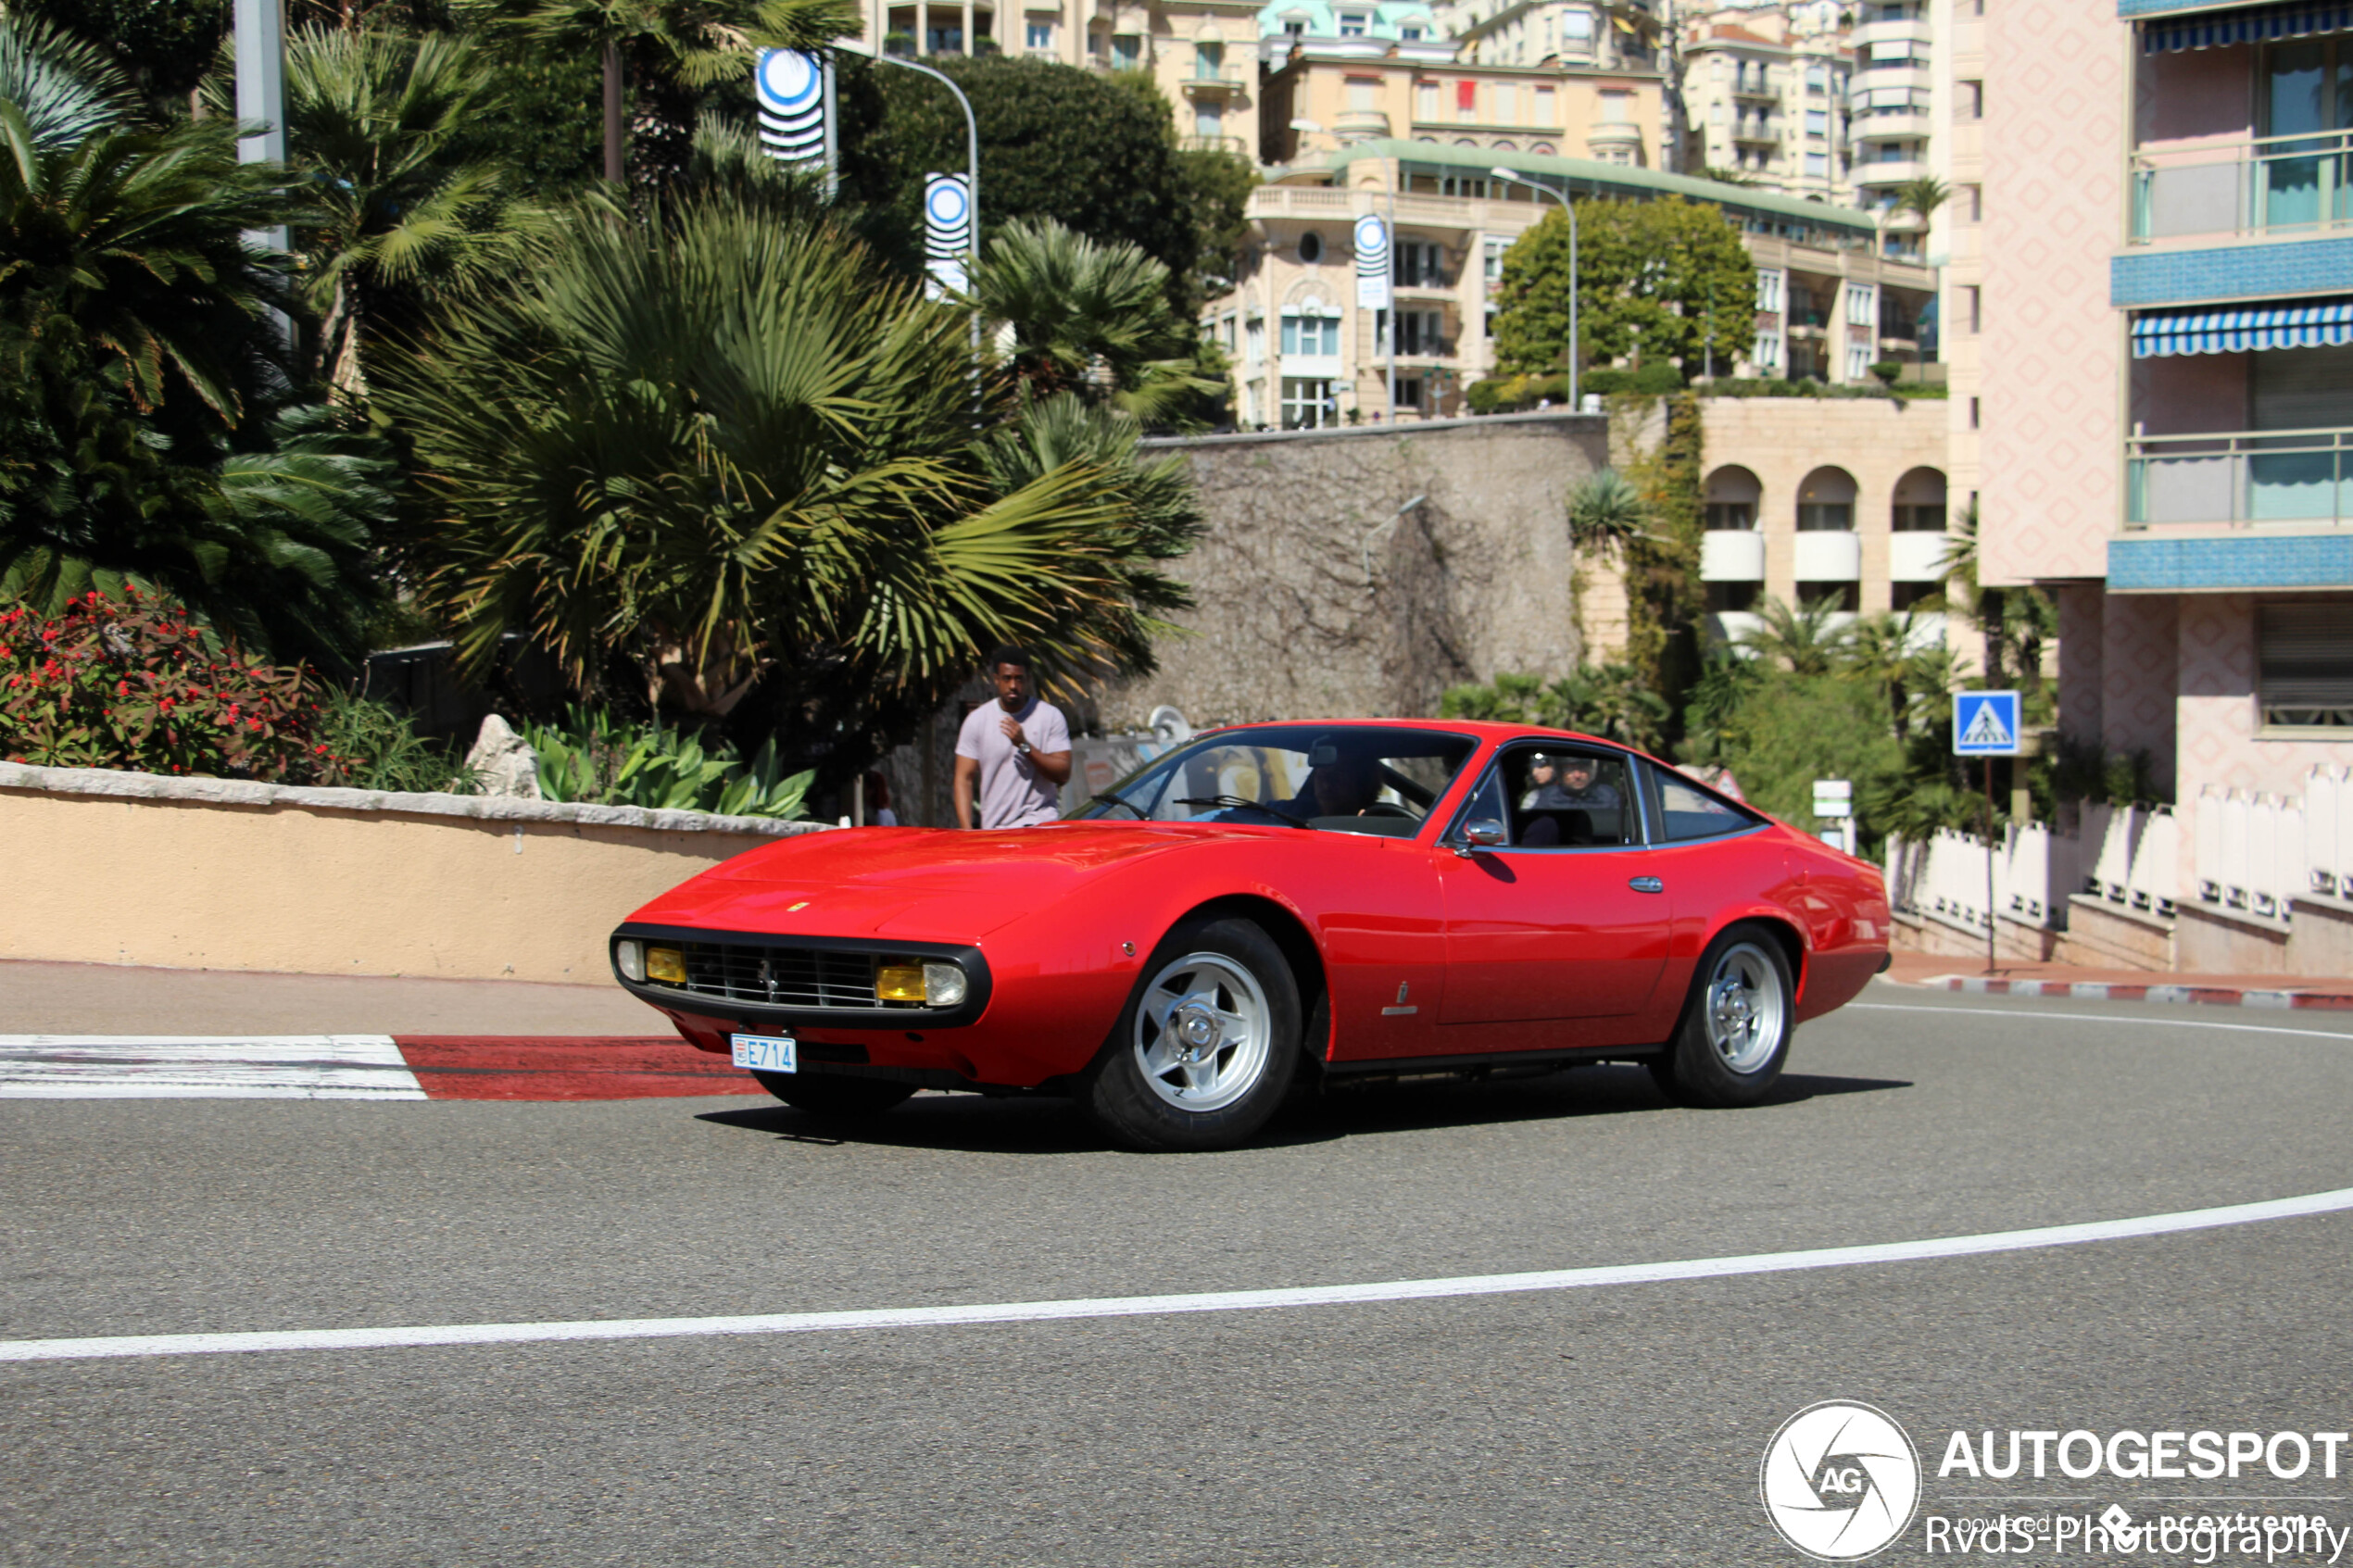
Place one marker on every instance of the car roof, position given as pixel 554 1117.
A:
pixel 1481 729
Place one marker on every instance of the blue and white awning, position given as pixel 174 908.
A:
pixel 2311 323
pixel 2212 29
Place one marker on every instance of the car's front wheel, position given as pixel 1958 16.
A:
pixel 1736 1026
pixel 1206 1046
pixel 834 1095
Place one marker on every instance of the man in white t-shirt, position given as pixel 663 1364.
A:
pixel 1014 750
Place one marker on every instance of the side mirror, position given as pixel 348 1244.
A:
pixel 1486 833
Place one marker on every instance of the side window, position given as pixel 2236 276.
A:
pixel 1687 811
pixel 1486 803
pixel 1568 797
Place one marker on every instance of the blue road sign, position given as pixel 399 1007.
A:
pixel 1985 724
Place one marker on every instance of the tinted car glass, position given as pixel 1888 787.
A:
pixel 1569 798
pixel 1692 813
pixel 1337 778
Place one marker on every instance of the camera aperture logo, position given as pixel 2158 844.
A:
pixel 1840 1481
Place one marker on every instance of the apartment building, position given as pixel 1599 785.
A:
pixel 1895 107
pixel 2166 344
pixel 1952 238
pixel 1305 356
pixel 1202 54
pixel 1316 102
pixel 1770 106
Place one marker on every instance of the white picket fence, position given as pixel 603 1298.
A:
pixel 2256 852
pixel 2124 856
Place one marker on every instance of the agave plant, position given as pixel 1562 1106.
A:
pixel 1608 514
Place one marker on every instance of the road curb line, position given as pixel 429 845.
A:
pixel 2112 991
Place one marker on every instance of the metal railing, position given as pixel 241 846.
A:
pixel 2265 185
pixel 2242 477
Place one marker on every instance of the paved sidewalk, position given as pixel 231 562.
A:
pixel 1945 972
pixel 93 998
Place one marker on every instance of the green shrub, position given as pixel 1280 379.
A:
pixel 1656 380
pixel 595 759
pixel 373 747
pixel 132 682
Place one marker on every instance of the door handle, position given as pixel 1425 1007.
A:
pixel 1646 885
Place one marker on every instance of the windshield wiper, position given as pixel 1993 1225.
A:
pixel 1141 815
pixel 1238 802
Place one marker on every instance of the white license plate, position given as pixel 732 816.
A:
pixel 767 1053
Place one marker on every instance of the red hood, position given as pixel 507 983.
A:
pixel 924 883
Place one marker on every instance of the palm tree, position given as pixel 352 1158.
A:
pixel 67 88
pixel 671 49
pixel 1088 316
pixel 139 364
pixel 1803 640
pixel 1614 702
pixel 374 119
pixel 719 459
pixel 1922 195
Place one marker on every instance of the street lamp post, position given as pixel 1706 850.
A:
pixel 1569 207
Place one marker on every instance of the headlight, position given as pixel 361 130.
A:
pixel 666 964
pixel 900 982
pixel 631 956
pixel 943 984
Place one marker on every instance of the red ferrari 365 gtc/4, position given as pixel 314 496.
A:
pixel 1344 898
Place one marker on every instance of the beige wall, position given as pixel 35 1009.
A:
pixel 126 868
pixel 1506 111
pixel 1782 440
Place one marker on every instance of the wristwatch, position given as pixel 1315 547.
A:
pixel 1022 746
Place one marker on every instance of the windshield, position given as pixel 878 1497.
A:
pixel 1339 778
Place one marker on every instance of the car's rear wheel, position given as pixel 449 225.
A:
pixel 1206 1046
pixel 1736 1026
pixel 834 1095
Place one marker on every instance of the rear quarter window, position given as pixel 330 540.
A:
pixel 1688 811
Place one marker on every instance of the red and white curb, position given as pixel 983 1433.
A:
pixel 2110 991
pixel 359 1067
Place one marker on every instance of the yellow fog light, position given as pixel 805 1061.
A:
pixel 900 982
pixel 666 963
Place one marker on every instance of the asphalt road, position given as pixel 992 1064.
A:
pixel 1620 1425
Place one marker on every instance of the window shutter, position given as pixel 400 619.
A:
pixel 2304 655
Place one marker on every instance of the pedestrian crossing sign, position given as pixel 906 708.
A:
pixel 1985 724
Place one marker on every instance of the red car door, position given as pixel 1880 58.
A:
pixel 1555 925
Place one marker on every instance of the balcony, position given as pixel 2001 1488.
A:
pixel 1917 558
pixel 1206 84
pixel 1891 125
pixel 1234 145
pixel 1829 556
pixel 1888 171
pixel 2267 188
pixel 2242 478
pixel 1732 555
pixel 1910 29
pixel 1360 125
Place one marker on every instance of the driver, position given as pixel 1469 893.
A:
pixel 1343 788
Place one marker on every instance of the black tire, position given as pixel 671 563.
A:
pixel 834 1095
pixel 1223 978
pixel 1737 1024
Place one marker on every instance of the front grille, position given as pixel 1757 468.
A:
pixel 783 977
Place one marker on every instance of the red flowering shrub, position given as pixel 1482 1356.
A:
pixel 131 681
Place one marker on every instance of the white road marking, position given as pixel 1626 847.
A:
pixel 1152 1306
pixel 2104 1018
pixel 200 1067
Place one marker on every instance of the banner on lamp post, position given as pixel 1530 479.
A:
pixel 795 89
pixel 948 232
pixel 1372 262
